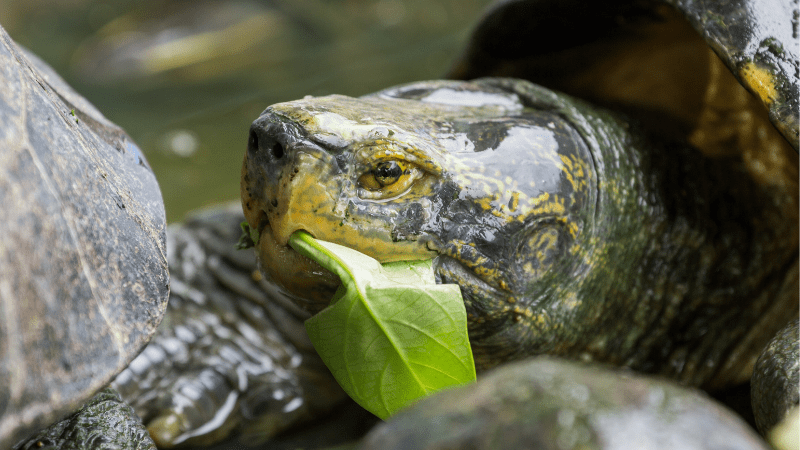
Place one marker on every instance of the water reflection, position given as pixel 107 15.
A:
pixel 192 41
pixel 186 78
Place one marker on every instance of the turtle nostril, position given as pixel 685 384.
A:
pixel 252 142
pixel 256 144
pixel 277 150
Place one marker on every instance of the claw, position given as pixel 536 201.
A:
pixel 174 428
pixel 164 429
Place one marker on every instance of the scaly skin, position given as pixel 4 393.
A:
pixel 574 235
pixel 105 421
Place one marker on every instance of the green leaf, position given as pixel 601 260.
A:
pixel 249 237
pixel 391 335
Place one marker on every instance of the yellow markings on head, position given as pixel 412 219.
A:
pixel 567 163
pixel 405 123
pixel 528 266
pixel 313 200
pixel 573 228
pixel 511 200
pixel 576 172
pixel 571 301
pixel 760 81
pixel 544 205
pixel 514 203
pixel 547 241
pixel 418 152
pixel 505 198
pixel 526 317
pixel 483 267
pixel 488 274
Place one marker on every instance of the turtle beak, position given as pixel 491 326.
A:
pixel 263 170
pixel 291 179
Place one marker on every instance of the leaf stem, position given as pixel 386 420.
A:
pixel 306 245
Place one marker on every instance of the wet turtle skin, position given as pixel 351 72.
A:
pixel 568 231
pixel 83 271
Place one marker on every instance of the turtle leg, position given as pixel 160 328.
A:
pixel 776 380
pixel 103 422
pixel 231 356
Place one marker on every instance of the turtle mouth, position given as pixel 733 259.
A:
pixel 309 284
pixel 312 287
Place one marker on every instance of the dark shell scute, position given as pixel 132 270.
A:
pixel 760 32
pixel 83 272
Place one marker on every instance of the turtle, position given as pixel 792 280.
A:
pixel 612 183
pixel 411 172
pixel 83 271
pixel 231 354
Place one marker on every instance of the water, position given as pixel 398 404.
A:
pixel 186 78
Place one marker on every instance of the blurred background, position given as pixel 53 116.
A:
pixel 186 77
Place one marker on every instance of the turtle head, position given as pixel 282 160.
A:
pixel 497 192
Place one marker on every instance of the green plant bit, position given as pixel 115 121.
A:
pixel 391 335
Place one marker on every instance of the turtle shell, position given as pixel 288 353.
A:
pixel 642 55
pixel 83 271
pixel 757 40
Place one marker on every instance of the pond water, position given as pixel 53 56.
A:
pixel 185 77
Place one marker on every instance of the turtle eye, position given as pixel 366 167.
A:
pixel 387 172
pixel 387 179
